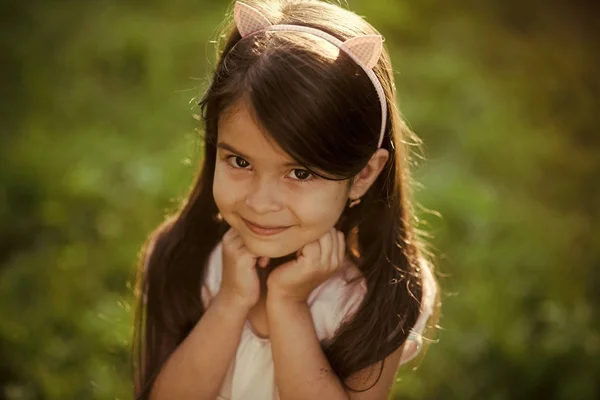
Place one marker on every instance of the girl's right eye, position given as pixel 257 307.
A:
pixel 237 162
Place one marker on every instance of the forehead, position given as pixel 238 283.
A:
pixel 239 129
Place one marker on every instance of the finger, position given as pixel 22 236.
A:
pixel 243 250
pixel 334 258
pixel 326 244
pixel 334 238
pixel 228 236
pixel 237 243
pixel 341 247
pixel 311 252
pixel 244 253
pixel 263 261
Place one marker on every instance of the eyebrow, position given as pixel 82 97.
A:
pixel 228 147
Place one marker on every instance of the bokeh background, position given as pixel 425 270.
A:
pixel 98 142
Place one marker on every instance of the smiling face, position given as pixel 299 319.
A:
pixel 257 183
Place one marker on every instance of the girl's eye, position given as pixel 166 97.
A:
pixel 297 174
pixel 238 162
pixel 301 174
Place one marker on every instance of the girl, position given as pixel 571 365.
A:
pixel 292 270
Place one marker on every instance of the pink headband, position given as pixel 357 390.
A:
pixel 364 50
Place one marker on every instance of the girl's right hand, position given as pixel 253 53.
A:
pixel 240 282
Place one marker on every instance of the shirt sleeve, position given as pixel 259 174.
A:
pixel 212 275
pixel 333 303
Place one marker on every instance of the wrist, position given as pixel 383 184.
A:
pixel 281 308
pixel 281 294
pixel 280 297
pixel 233 302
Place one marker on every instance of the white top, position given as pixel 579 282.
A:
pixel 251 374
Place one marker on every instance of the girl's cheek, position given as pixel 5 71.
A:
pixel 224 175
pixel 222 185
pixel 232 174
pixel 229 186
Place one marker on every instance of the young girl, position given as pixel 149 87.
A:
pixel 292 270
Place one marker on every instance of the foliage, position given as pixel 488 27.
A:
pixel 98 143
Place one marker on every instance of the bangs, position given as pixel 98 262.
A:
pixel 312 103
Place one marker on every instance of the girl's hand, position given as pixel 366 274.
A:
pixel 315 263
pixel 240 282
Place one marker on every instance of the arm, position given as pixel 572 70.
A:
pixel 197 368
pixel 302 370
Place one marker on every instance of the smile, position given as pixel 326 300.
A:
pixel 264 230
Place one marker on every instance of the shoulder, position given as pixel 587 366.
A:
pixel 364 379
pixel 213 274
pixel 336 300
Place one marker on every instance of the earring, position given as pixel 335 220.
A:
pixel 354 202
pixel 219 217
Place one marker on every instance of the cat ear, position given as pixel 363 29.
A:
pixel 366 48
pixel 248 19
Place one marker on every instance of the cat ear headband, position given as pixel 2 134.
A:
pixel 364 50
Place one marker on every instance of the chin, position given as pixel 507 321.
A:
pixel 268 247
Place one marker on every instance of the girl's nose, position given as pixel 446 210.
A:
pixel 263 197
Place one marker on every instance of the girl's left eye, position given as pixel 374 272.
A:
pixel 237 162
pixel 301 175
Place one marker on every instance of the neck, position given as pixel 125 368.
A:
pixel 263 273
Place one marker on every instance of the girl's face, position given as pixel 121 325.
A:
pixel 257 183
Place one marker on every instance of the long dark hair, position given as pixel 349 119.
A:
pixel 322 109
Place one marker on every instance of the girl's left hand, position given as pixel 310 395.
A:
pixel 315 263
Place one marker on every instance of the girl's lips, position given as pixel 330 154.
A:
pixel 259 230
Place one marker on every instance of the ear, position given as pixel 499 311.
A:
pixel 248 19
pixel 366 48
pixel 365 178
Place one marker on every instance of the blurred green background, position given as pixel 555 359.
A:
pixel 98 142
